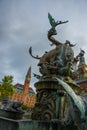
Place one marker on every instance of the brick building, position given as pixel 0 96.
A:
pixel 24 93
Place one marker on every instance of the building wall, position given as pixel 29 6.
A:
pixel 22 92
pixel 25 99
pixel 83 85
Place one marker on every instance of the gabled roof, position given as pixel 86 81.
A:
pixel 81 80
pixel 31 90
pixel 20 86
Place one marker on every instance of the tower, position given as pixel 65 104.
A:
pixel 27 81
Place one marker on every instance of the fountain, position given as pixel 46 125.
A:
pixel 59 99
pixel 59 102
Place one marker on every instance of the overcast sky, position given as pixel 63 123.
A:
pixel 24 23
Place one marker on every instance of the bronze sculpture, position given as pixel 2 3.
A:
pixel 58 97
pixel 11 109
pixel 60 57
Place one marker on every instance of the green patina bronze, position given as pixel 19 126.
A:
pixel 58 97
pixel 54 23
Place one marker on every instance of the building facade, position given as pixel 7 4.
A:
pixel 24 93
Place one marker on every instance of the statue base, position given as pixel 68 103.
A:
pixel 47 100
pixel 10 124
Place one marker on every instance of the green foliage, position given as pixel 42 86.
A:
pixel 24 107
pixel 85 75
pixel 6 86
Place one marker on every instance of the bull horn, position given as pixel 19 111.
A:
pixel 30 52
pixel 71 45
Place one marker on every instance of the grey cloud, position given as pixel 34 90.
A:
pixel 25 23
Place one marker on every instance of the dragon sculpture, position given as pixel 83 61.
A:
pixel 59 98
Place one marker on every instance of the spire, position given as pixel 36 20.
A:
pixel 28 75
pixel 27 81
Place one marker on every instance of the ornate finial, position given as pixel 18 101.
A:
pixel 81 57
pixel 82 51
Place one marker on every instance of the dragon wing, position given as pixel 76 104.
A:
pixel 51 20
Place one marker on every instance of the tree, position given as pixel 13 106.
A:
pixel 6 86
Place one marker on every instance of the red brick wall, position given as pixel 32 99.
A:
pixel 83 86
pixel 30 100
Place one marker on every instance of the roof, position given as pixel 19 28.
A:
pixel 81 80
pixel 20 86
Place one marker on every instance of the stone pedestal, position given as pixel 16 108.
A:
pixel 9 124
pixel 48 103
